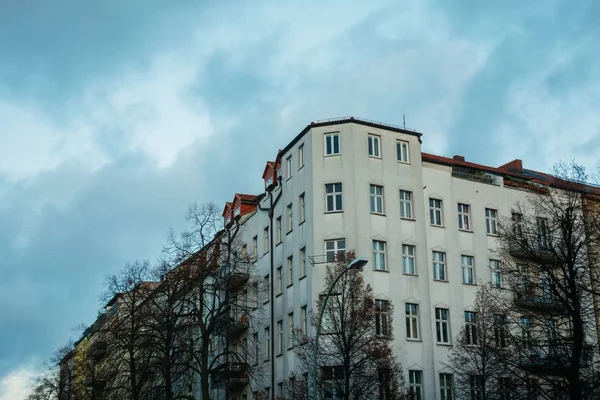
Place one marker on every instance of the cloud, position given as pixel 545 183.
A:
pixel 15 385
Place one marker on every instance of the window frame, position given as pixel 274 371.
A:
pixel 374 145
pixel 446 386
pixel 495 272
pixel 301 209
pixel 382 314
pixel 406 204
pixel 290 338
pixel 336 249
pixel 255 248
pixel 377 200
pixel 278 233
pixel 464 217
pixel 267 344
pixel 407 258
pixel 301 156
pixel 335 141
pixel 437 264
pixel 466 267
pixel 471 338
pixel 399 151
pixel 290 271
pixel 279 281
pixel 289 223
pixel 379 248
pixel 491 221
pixel 414 387
pixel 304 320
pixel 336 196
pixel 266 244
pixel 436 213
pixel 267 284
pixel 440 324
pixel 411 311
pixel 279 341
pixel 302 257
pixel 288 167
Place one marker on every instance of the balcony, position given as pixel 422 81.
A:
pixel 234 323
pixel 232 375
pixel 531 248
pixel 238 279
pixel 541 302
pixel 551 358
pixel 476 176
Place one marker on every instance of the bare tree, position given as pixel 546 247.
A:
pixel 548 250
pixel 475 358
pixel 355 357
pixel 56 382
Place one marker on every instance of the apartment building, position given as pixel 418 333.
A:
pixel 426 223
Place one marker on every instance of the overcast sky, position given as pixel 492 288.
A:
pixel 116 115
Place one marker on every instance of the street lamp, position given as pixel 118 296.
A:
pixel 357 263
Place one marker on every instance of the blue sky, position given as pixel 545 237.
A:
pixel 115 116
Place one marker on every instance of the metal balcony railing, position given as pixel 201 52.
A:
pixel 231 374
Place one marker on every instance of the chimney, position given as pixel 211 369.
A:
pixel 513 166
pixel 458 158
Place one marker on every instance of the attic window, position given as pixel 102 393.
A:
pixel 236 212
pixel 269 182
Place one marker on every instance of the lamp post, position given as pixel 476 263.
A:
pixel 357 263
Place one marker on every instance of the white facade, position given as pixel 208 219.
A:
pixel 356 170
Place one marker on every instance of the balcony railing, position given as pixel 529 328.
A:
pixel 530 248
pixel 234 323
pixel 537 300
pixel 231 374
pixel 476 176
pixel 553 357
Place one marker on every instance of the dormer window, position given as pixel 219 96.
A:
pixel 236 212
pixel 269 182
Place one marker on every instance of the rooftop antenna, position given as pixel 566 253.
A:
pixel 404 120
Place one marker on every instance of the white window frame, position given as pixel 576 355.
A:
pixel 290 271
pixel 442 325
pixel 446 386
pixel 304 320
pixel 256 347
pixel 279 342
pixel 413 331
pixel 290 330
pixel 491 221
pixel 279 281
pixel 339 246
pixel 464 217
pixel 374 145
pixel 415 383
pixel 266 240
pixel 376 195
pixel 409 261
pixel 379 255
pixel 278 230
pixel 439 266
pixel 302 262
pixel 335 195
pixel 406 207
pixel 495 273
pixel 334 137
pixel 382 320
pixel 255 248
pixel 436 212
pixel 403 151
pixel 267 344
pixel 468 269
pixel 471 338
pixel 301 209
pixel 267 288
pixel 290 218
pixel 288 167
pixel 301 156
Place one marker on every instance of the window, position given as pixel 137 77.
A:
pixel 533 389
pixel 333 248
pixel 415 384
pixel 374 146
pixel 303 321
pixel 376 199
pixel 302 262
pixel 279 342
pixel 382 308
pixel 255 347
pixel 468 269
pixel 253 295
pixel 446 392
pixel 406 204
pixel 333 194
pixel 408 259
pixel 464 217
pixel 476 387
pixel 288 167
pixel 290 330
pixel 255 248
pixel 505 388
pixel 279 281
pixel 245 252
pixel 491 221
pixel 442 328
pixel 332 144
pixel 384 381
pixel 500 330
pixel 300 156
pixel 471 328
pixel 267 344
pixel 496 278
pixel 439 266
pixel 278 230
pixel 526 331
pixel 332 377
pixel 290 271
pixel 379 255
pixel 280 390
pixel 266 288
pixel 435 212
pixel 402 151
pixel 290 219
pixel 517 220
pixel 266 240
pixel 542 233
pixel 412 321
pixel 301 209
